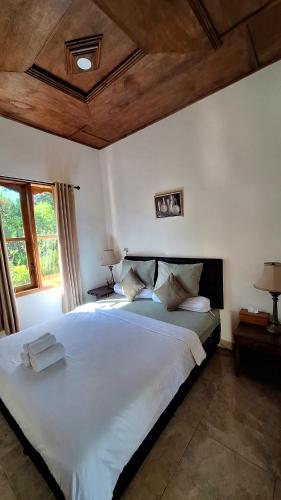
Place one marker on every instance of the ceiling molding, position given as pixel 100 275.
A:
pixel 115 74
pixel 58 83
pixel 205 22
pixel 66 87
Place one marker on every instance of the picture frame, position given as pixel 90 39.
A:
pixel 169 204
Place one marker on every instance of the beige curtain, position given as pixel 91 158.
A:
pixel 8 310
pixel 69 251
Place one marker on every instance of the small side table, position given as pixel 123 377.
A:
pixel 101 292
pixel 257 338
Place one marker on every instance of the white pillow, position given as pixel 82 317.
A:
pixel 146 293
pixel 195 304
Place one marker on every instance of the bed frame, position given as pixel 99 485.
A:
pixel 211 286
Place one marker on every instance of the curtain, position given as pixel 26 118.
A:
pixel 69 251
pixel 9 320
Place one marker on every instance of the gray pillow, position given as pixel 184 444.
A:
pixel 171 293
pixel 144 269
pixel 188 275
pixel 131 285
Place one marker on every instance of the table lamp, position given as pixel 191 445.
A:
pixel 270 281
pixel 109 259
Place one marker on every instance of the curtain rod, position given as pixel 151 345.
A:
pixel 17 179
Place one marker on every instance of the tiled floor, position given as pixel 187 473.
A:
pixel 224 442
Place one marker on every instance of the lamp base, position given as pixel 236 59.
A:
pixel 276 329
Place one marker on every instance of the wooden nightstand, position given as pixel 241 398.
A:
pixel 257 338
pixel 101 292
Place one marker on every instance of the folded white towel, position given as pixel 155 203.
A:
pixel 47 357
pixel 26 346
pixel 41 343
pixel 25 358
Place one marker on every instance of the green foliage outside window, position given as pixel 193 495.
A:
pixel 45 222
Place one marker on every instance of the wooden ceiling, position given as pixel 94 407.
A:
pixel 150 59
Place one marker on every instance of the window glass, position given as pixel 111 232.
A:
pixel 29 223
pixel 44 213
pixel 18 263
pixel 10 208
pixel 12 220
pixel 46 230
pixel 49 261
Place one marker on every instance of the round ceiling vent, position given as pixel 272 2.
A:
pixel 84 63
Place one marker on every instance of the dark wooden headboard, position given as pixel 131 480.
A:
pixel 211 282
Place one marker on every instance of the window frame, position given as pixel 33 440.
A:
pixel 26 191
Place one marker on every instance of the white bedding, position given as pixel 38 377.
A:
pixel 87 415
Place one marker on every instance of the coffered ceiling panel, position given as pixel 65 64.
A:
pixel 83 22
pixel 26 99
pixel 158 26
pixel 24 26
pixel 87 136
pixel 265 29
pixel 228 13
pixel 139 104
pixel 94 71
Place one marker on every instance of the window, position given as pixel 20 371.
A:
pixel 29 223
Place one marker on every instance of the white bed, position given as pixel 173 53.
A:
pixel 87 415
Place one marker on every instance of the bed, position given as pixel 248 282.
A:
pixel 88 421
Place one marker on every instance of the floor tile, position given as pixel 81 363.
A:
pixel 159 466
pixel 8 439
pixel 210 471
pixel 277 491
pixel 6 492
pixel 219 365
pixel 198 398
pixel 27 482
pixel 246 420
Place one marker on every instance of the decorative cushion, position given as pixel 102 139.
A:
pixel 131 285
pixel 188 275
pixel 171 293
pixel 144 269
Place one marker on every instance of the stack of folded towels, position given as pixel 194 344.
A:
pixel 42 352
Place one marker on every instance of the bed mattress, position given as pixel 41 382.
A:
pixel 87 415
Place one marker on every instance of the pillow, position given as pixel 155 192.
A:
pixel 171 293
pixel 131 285
pixel 195 304
pixel 144 269
pixel 188 275
pixel 145 293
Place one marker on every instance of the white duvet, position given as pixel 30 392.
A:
pixel 87 415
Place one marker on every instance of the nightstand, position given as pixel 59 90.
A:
pixel 257 338
pixel 101 292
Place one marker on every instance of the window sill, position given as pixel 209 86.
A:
pixel 36 290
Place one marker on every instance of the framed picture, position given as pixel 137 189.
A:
pixel 169 204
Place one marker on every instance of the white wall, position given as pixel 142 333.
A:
pixel 29 153
pixel 225 151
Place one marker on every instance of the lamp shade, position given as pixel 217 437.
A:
pixel 109 258
pixel 271 277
